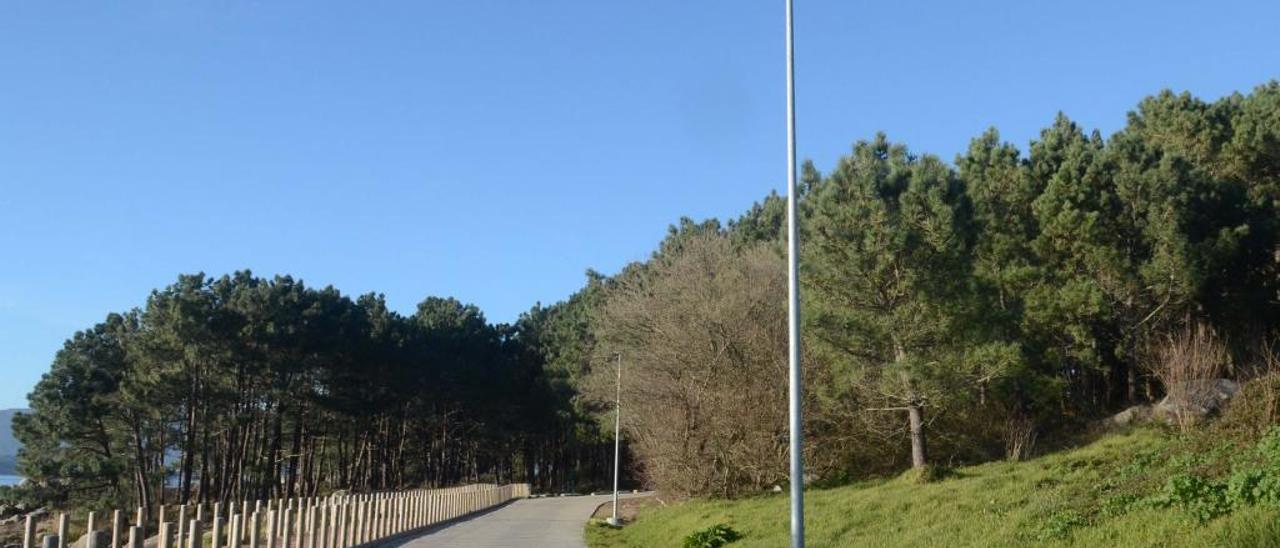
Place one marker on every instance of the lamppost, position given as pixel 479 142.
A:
pixel 793 301
pixel 617 440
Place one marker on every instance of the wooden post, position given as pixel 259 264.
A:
pixel 215 536
pixel 279 515
pixel 255 524
pixel 182 525
pixel 399 514
pixel 366 519
pixel 90 526
pixel 195 537
pixel 357 520
pixel 233 536
pixel 200 512
pixel 323 530
pixel 326 524
pixel 353 524
pixel 29 532
pixel 62 530
pixel 382 517
pixel 301 525
pixel 317 523
pixel 141 519
pixel 285 526
pixel 393 524
pixel 339 523
pixel 136 535
pixel 271 527
pixel 345 538
pixel 117 528
pixel 166 535
pixel 304 522
pixel 352 518
pixel 392 515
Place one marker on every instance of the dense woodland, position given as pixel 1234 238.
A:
pixel 957 312
pixel 242 387
pixel 953 312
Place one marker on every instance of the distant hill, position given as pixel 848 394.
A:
pixel 8 445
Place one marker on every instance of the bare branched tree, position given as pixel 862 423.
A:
pixel 703 335
pixel 1187 362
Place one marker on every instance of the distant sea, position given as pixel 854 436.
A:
pixel 10 480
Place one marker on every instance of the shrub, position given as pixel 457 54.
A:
pixel 1202 498
pixel 1184 363
pixel 712 537
pixel 1118 505
pixel 1255 409
pixel 1060 525
pixel 1252 487
pixel 1019 437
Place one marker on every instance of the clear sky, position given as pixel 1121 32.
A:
pixel 493 151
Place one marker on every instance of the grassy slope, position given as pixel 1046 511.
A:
pixel 1061 499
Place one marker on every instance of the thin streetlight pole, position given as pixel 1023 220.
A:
pixel 617 441
pixel 793 299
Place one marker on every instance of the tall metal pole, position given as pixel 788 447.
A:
pixel 793 300
pixel 617 441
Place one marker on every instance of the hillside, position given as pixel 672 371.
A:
pixel 1107 493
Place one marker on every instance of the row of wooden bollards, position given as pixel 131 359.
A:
pixel 342 521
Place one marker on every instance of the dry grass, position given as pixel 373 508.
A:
pixel 1185 363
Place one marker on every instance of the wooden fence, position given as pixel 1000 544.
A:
pixel 340 521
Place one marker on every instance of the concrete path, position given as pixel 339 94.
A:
pixel 551 522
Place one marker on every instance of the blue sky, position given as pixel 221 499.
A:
pixel 494 151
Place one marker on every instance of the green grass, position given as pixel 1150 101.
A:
pixel 1096 495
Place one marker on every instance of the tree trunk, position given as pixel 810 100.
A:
pixel 919 452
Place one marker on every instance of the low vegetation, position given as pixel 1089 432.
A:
pixel 1142 488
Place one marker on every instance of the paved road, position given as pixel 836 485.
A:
pixel 552 522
